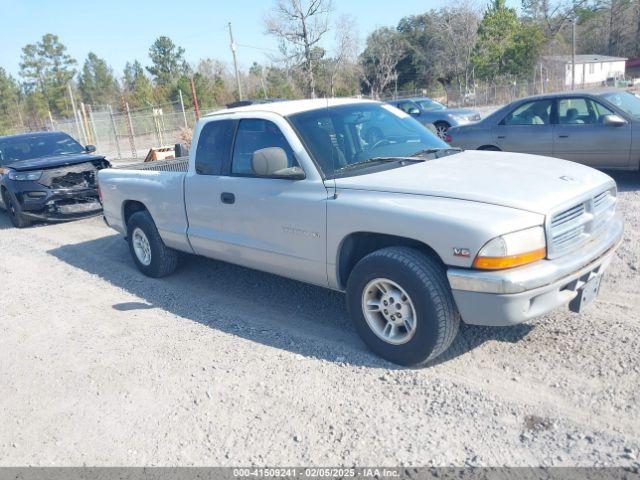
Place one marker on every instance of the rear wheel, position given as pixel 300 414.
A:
pixel 151 255
pixel 490 148
pixel 401 304
pixel 441 129
pixel 18 219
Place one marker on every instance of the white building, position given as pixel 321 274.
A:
pixel 590 69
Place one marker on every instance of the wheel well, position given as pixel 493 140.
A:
pixel 360 244
pixel 129 208
pixel 489 147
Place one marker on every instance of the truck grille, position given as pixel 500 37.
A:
pixel 582 222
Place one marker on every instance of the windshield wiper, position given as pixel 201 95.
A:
pixel 440 152
pixel 374 160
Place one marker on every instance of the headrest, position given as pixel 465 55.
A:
pixel 268 161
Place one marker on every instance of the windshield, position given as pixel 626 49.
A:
pixel 430 105
pixel 338 137
pixel 25 147
pixel 625 101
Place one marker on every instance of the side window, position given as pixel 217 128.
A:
pixel 580 111
pixel 407 106
pixel 214 146
pixel 253 136
pixel 530 113
pixel 601 110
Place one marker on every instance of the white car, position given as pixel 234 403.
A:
pixel 417 234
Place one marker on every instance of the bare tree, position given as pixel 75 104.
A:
pixel 613 28
pixel 345 59
pixel 456 30
pixel 552 15
pixel 300 26
pixel 380 58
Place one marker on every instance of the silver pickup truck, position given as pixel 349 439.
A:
pixel 418 235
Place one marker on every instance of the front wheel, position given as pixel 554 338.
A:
pixel 18 219
pixel 151 255
pixel 441 129
pixel 401 304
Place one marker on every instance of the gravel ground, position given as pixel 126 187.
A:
pixel 220 365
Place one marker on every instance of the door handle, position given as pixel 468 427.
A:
pixel 563 136
pixel 227 197
pixel 502 136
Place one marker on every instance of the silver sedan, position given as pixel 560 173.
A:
pixel 599 129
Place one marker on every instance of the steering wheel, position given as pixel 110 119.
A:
pixel 380 143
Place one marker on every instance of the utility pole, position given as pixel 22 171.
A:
pixel 264 87
pixel 235 62
pixel 573 54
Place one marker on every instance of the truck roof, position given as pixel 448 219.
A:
pixel 290 107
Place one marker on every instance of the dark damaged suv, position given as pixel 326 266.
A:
pixel 48 176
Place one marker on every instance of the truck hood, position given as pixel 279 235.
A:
pixel 42 163
pixel 527 182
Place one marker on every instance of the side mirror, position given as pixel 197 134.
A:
pixel 613 120
pixel 291 173
pixel 90 148
pixel 414 111
pixel 272 162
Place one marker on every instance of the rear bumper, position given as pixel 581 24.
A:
pixel 509 297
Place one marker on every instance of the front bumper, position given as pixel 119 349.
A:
pixel 59 205
pixel 508 297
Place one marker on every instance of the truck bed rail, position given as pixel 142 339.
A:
pixel 175 165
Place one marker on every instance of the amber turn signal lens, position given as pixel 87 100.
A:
pixel 498 263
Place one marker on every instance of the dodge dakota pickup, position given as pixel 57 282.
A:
pixel 419 235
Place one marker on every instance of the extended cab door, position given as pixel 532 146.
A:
pixel 526 129
pixel 202 186
pixel 267 221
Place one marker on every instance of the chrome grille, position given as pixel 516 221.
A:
pixel 572 227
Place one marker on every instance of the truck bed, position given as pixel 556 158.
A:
pixel 158 186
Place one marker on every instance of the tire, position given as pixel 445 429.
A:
pixel 490 148
pixel 143 238
pixel 441 129
pixel 14 212
pixel 420 279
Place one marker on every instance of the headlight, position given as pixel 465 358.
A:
pixel 24 176
pixel 512 250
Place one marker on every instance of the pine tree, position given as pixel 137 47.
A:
pixel 96 82
pixel 168 61
pixel 47 69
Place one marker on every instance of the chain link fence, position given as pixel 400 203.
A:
pixel 122 133
pixel 128 134
pixel 481 95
